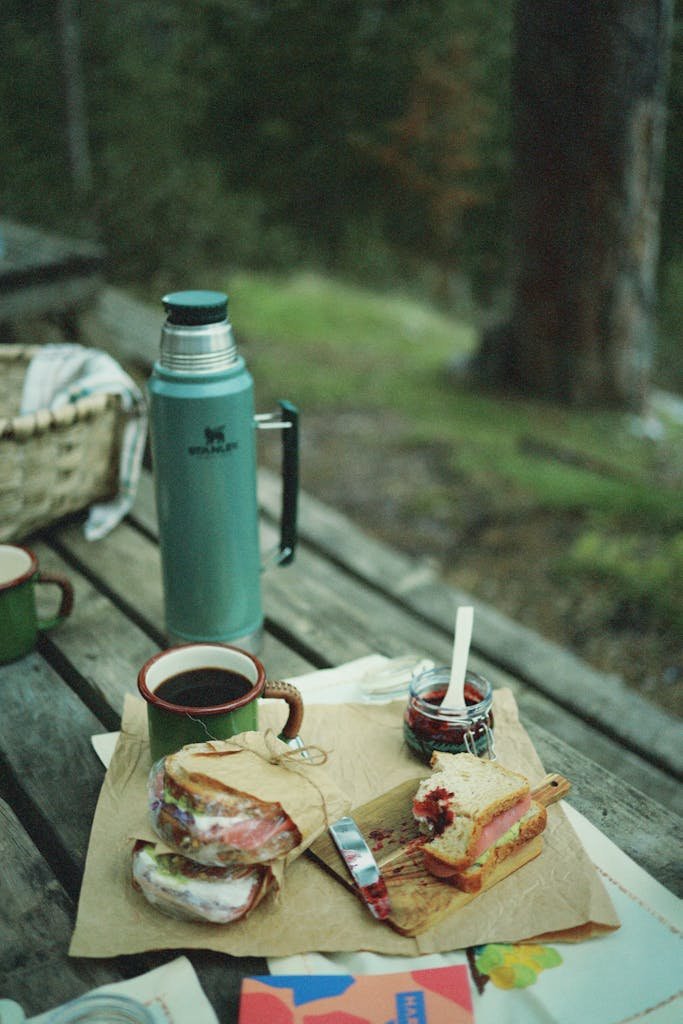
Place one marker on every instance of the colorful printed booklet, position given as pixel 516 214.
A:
pixel 438 995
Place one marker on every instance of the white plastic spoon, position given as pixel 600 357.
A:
pixel 455 694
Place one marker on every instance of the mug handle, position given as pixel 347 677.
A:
pixel 67 602
pixel 290 694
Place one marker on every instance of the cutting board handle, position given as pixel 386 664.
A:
pixel 551 789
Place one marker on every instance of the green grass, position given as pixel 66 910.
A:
pixel 333 343
pixel 330 346
pixel 645 570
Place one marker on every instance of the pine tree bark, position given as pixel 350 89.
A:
pixel 589 94
pixel 76 122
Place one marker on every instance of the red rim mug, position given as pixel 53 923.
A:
pixel 173 725
pixel 19 621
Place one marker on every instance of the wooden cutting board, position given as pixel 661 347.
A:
pixel 418 899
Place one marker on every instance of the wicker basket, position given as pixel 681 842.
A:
pixel 52 463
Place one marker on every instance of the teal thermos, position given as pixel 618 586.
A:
pixel 203 435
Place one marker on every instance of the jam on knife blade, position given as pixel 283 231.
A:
pixel 362 866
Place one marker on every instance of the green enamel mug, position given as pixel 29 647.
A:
pixel 19 621
pixel 208 691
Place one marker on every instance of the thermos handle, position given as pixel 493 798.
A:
pixel 290 482
pixel 288 422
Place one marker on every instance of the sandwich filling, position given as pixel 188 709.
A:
pixel 437 811
pixel 243 830
pixel 499 825
pixel 442 870
pixel 190 891
pixel 510 836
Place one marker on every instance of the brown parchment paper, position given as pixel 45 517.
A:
pixel 558 895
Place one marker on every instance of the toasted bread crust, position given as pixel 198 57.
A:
pixel 207 796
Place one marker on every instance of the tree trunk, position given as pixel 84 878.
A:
pixel 76 123
pixel 589 87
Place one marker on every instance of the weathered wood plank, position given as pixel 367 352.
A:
pixel 98 642
pixel 43 273
pixel 128 329
pixel 640 826
pixel 44 298
pixel 570 682
pixel 57 792
pixel 45 745
pixel 35 929
pixel 31 250
pixel 603 750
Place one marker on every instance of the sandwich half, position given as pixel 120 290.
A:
pixel 188 891
pixel 476 813
pixel 198 809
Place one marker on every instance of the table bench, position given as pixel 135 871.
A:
pixel 44 274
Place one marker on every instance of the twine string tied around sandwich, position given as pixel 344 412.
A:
pixel 303 757
pixel 295 756
pixel 311 754
pixel 299 760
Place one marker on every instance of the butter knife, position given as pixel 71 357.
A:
pixel 362 866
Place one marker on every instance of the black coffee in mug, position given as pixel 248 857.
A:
pixel 204 687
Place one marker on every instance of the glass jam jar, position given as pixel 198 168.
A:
pixel 106 1008
pixel 428 727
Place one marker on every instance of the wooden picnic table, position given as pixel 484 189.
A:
pixel 345 596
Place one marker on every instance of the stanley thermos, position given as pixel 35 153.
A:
pixel 203 433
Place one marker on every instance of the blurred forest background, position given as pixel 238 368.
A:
pixel 358 154
pixel 371 139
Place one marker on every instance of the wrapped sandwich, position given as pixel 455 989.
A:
pixel 229 816
pixel 214 823
pixel 476 814
pixel 246 800
pixel 189 891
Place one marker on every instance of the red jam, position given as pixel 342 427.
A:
pixel 437 808
pixel 472 696
pixel 376 898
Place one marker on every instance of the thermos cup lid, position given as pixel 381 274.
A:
pixel 193 308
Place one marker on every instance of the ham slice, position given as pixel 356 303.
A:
pixel 499 825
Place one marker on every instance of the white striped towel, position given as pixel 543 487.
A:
pixel 58 374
